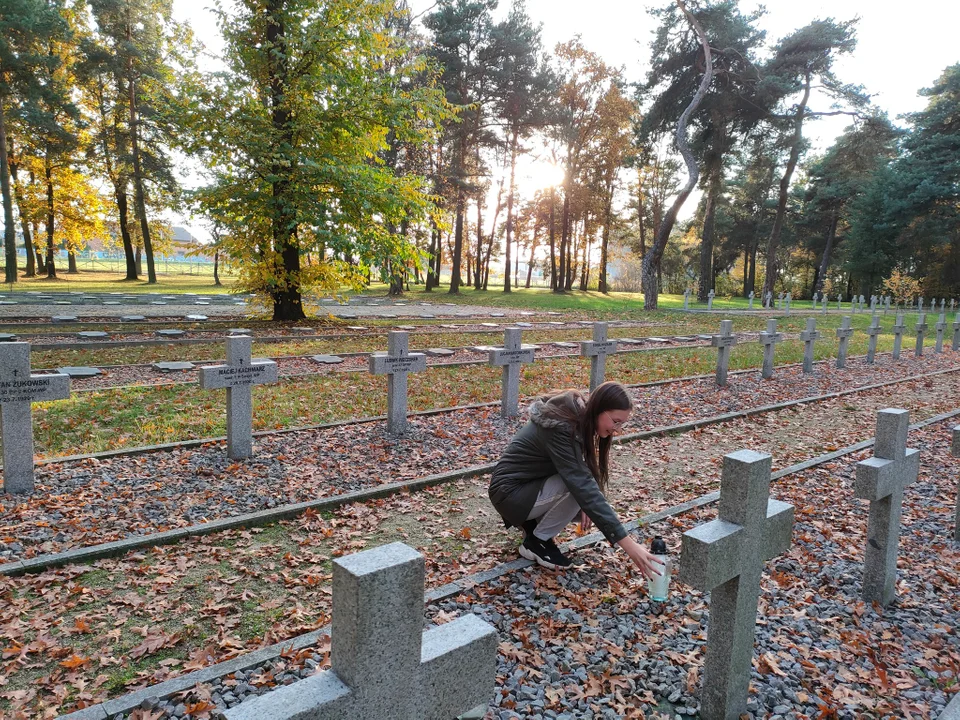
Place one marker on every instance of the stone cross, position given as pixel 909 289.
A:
pixel 239 376
pixel 813 303
pixel 723 342
pixel 597 351
pixel 510 356
pixel 710 296
pixel 769 340
pixel 395 365
pixel 686 299
pixel 940 327
pixel 779 301
pixel 898 329
pixel 18 390
pixel 886 302
pixel 844 332
pixel 383 663
pixel 943 305
pixel 882 480
pixel 953 304
pixel 839 302
pixel 823 305
pixel 920 305
pixel 809 337
pixel 955 451
pixel 752 295
pixel 769 299
pixel 921 329
pixel 787 300
pixel 956 332
pixel 873 303
pixel 933 305
pixel 862 301
pixel 726 557
pixel 873 331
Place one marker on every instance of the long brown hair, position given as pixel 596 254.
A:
pixel 582 416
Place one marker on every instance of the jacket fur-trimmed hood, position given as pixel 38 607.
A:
pixel 555 411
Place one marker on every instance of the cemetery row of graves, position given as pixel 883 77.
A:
pixel 170 610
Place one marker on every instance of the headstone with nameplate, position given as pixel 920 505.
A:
pixel 510 357
pixel 396 364
pixel 597 350
pixel 844 333
pixel 898 330
pixel 809 337
pixel 873 332
pixel 921 329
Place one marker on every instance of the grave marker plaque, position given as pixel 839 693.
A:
pixel 395 365
pixel 597 351
pixel 898 329
pixel 510 357
pixel 723 342
pixel 921 329
pixel 809 337
pixel 844 332
pixel 873 332
pixel 769 340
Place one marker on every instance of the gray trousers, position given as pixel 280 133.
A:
pixel 554 509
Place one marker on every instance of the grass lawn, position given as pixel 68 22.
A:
pixel 104 281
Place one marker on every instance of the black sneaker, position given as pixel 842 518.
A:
pixel 544 552
pixel 528 527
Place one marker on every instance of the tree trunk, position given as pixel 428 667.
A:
pixel 709 222
pixel 564 234
pixel 533 248
pixel 827 249
pixel 553 239
pixel 513 169
pixel 139 198
pixel 651 261
pixel 38 250
pixel 455 259
pixel 216 268
pixel 9 230
pixel 130 260
pixel 72 263
pixel 774 240
pixel 605 241
pixel 120 189
pixel 24 222
pixel 51 263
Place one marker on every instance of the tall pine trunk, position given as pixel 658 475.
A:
pixel 709 223
pixel 72 263
pixel 513 169
pixel 457 256
pixel 827 250
pixel 139 197
pixel 24 222
pixel 9 230
pixel 553 238
pixel 51 263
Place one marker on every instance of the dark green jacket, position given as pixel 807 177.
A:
pixel 544 447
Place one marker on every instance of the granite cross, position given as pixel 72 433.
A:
pixel 383 663
pixel 940 327
pixel 723 342
pixel 873 331
pixel 953 304
pixel 510 356
pixel 862 301
pixel 839 302
pixel 769 340
pixel 725 557
pixel 813 304
pixel 395 365
pixel 597 351
pixel 752 295
pixel 844 332
pixel 769 298
pixel 710 296
pixel 788 300
pixel 686 299
pixel 898 329
pixel 955 451
pixel 823 304
pixel 956 332
pixel 239 376
pixel 809 337
pixel 921 328
pixel 920 305
pixel 18 390
pixel 779 301
pixel 882 480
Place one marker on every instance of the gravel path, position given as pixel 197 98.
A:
pixel 87 502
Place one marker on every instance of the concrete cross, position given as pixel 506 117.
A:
pixel 239 376
pixel 813 303
pixel 933 305
pixel 752 295
pixel 953 304
pixel 940 327
pixel 769 299
pixel 898 330
pixel 597 351
pixel 725 557
pixel 862 301
pixel 710 296
pixel 956 332
pixel 943 305
pixel 787 300
pixel 18 390
pixel 779 301
pixel 873 303
pixel 955 451
pixel 769 340
pixel 809 337
pixel 882 480
pixel 395 365
pixel 844 332
pixel 921 328
pixel 920 305
pixel 823 305
pixel 510 356
pixel 383 663
pixel 686 299
pixel 873 331
pixel 886 302
pixel 723 342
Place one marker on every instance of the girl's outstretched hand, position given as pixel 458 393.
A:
pixel 585 522
pixel 648 565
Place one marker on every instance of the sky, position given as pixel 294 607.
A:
pixel 901 48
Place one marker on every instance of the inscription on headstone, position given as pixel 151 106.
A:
pixel 395 365
pixel 844 332
pixel 510 357
pixel 898 329
pixel 809 338
pixel 723 342
pixel 597 351
pixel 769 340
pixel 873 332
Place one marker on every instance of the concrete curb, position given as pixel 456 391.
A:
pixel 127 703
pixel 264 517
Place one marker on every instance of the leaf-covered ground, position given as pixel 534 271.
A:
pixel 83 633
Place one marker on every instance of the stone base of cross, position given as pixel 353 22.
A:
pixel 239 376
pixel 874 333
pixel 898 330
pixel 809 338
pixel 597 350
pixel 921 329
pixel 882 480
pixel 940 327
pixel 395 365
pixel 383 663
pixel 955 450
pixel 723 342
pixel 844 333
pixel 769 340
pixel 510 357
pixel 18 391
pixel 725 557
